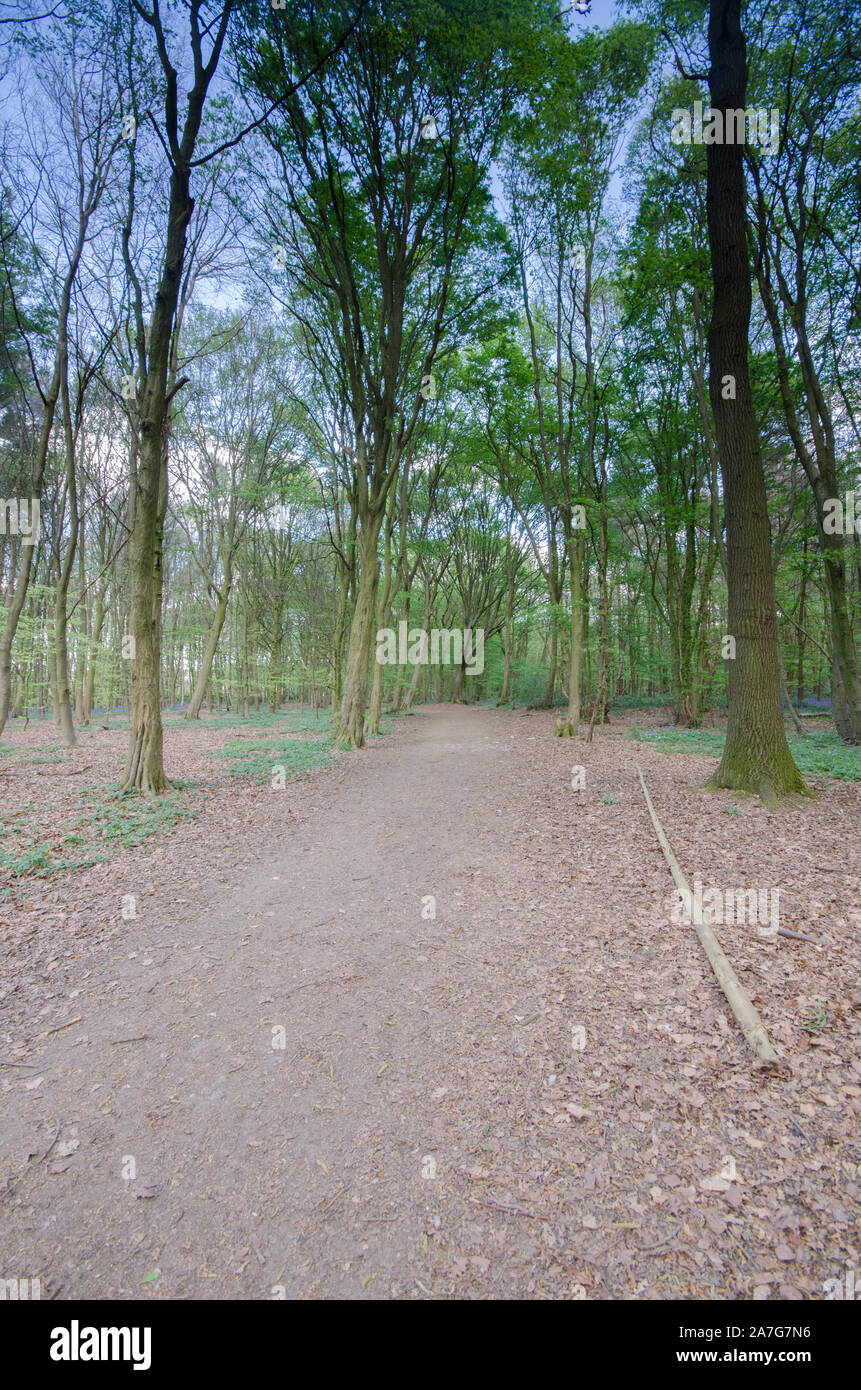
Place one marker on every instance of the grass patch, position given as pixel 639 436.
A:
pixel 682 740
pixel 47 756
pixel 260 720
pixel 259 759
pixel 100 823
pixel 131 818
pixel 821 754
pixel 296 720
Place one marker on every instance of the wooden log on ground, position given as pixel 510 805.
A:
pixel 750 1021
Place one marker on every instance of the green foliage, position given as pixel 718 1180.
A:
pixel 261 719
pixel 257 761
pixel 822 753
pixel 99 825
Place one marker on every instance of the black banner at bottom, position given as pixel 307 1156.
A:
pixel 151 1337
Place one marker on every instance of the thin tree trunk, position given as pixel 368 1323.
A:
pixel 214 633
pixel 799 727
pixel 385 610
pixel 145 763
pixel 275 675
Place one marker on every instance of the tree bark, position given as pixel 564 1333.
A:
pixel 193 711
pixel 355 697
pixel 50 397
pixel 756 755
pixel 145 763
pixel 385 608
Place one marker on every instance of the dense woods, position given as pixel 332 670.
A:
pixel 317 322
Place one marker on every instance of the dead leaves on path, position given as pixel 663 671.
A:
pixel 653 1161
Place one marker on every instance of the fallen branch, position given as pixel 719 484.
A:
pixel 795 935
pixel 749 1019
pixel 63 771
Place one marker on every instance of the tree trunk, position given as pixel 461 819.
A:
pixel 351 729
pixel 756 755
pixel 275 675
pixel 83 657
pixel 61 625
pixel 458 684
pixel 550 688
pixel 507 631
pixel 799 675
pixel 385 607
pixel 64 685
pixel 799 727
pixel 193 711
pixel 599 710
pixel 50 397
pixel 96 637
pixel 575 548
pixel 52 680
pixel 145 764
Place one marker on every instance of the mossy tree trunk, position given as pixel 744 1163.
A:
pixel 351 725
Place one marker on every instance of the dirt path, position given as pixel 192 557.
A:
pixel 435 1122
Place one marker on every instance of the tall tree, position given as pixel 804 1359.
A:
pixel 145 763
pixel 805 227
pixel 756 755
pixel 66 183
pixel 380 184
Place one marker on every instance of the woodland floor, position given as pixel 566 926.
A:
pixel 559 1172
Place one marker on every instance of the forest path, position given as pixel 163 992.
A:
pixel 433 1122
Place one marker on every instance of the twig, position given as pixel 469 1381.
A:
pixel 117 1042
pixel 795 936
pixel 513 1211
pixel 62 1026
pixel 53 1141
pixel 64 771
pixel 328 1202
pixel 648 1249
pixel 800 1131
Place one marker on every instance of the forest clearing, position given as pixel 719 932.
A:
pixel 430 702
